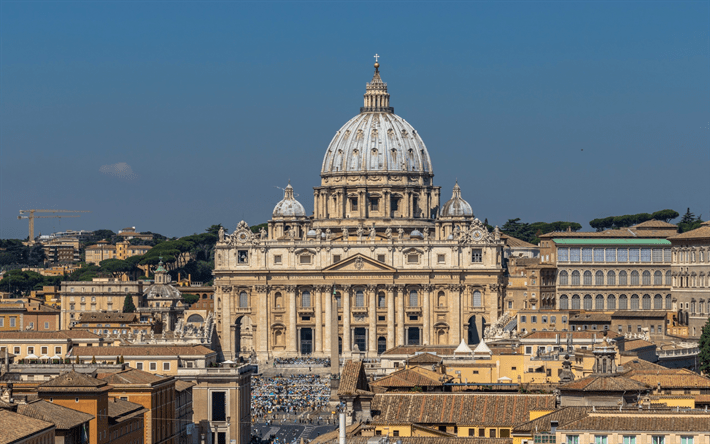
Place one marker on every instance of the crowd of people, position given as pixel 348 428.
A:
pixel 301 398
pixel 325 362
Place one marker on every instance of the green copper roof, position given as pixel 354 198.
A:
pixel 612 241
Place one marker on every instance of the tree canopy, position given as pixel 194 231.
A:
pixel 530 232
pixel 689 222
pixel 19 282
pixel 128 305
pixel 704 345
pixel 14 254
pixel 627 220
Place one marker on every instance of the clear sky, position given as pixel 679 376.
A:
pixel 173 116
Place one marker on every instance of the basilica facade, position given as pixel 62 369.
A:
pixel 400 267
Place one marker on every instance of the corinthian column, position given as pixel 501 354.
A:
pixel 372 335
pixel 292 332
pixel 426 313
pixel 318 290
pixel 390 316
pixel 262 321
pixel 455 314
pixel 346 319
pixel 400 315
pixel 328 296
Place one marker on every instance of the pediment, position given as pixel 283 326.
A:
pixel 360 264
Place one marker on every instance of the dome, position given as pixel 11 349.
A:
pixel 289 206
pixel 311 233
pixel 456 206
pixel 376 140
pixel 416 233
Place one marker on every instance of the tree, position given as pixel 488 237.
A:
pixel 665 215
pixel 689 222
pixel 117 267
pixel 128 305
pixel 190 298
pixel 704 355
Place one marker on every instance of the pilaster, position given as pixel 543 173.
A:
pixel 291 333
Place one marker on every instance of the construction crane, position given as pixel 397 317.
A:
pixel 30 214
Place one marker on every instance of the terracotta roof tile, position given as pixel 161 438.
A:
pixel 63 334
pixel 62 417
pixel 669 379
pixel 74 381
pixel 132 376
pixel 353 379
pixel 412 377
pixel 142 350
pixel 562 416
pixel 126 318
pixel 699 233
pixel 462 408
pixel 435 440
pixel 604 383
pixel 659 422
pixel 655 224
pixel 515 242
pixel 120 410
pixel 181 385
pixel 15 426
pixel 424 359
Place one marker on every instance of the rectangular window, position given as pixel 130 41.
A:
pixel 336 258
pixel 46 325
pixel 277 259
pixel 44 350
pixel 598 255
pixel 563 255
pixel 57 351
pixel 13 321
pixel 16 350
pixel 219 406
pixel 375 204
pixel 492 433
pixel 30 350
pixel 622 255
pixel 441 258
pixel 305 259
pixel 242 256
pixel 380 258
pixel 153 366
pixel 633 254
pixel 523 319
pixel 629 440
pixel 482 432
pixel 683 440
pixel 412 258
pixel 658 440
pixel 471 432
pixel 477 255
pixel 600 439
pixel 586 254
pixel 645 255
pixel 139 366
pixel 544 319
pixel 2 321
pixel 572 439
pixel 610 254
pixel 657 255
pixel 166 366
pixel 574 254
pixel 666 255
pixel 533 319
pixel 353 204
pixel 395 433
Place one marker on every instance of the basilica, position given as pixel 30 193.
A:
pixel 399 267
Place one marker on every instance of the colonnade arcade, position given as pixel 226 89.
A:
pixel 290 320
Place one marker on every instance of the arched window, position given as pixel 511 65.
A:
pixel 646 277
pixel 599 302
pixel 658 302
pixel 634 277
pixel 657 278
pixel 588 302
pixel 668 277
pixel 413 298
pixel 623 302
pixel 587 277
pixel 564 278
pixel 359 298
pixel 622 277
pixel 306 299
pixel 564 302
pixel 381 300
pixel 635 302
pixel 278 300
pixel 243 300
pixel 599 278
pixel 441 299
pixel 575 302
pixel 575 277
pixel 611 278
pixel 646 302
pixel 611 302
pixel 477 298
pixel 692 305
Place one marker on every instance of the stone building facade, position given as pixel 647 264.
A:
pixel 691 277
pixel 402 268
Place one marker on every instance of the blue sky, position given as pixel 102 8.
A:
pixel 173 116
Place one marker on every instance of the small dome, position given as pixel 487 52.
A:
pixel 289 206
pixel 311 233
pixel 456 206
pixel 417 234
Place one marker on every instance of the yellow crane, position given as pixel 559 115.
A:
pixel 30 214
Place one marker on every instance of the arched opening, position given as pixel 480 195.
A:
pixel 474 336
pixel 381 345
pixel 441 299
pixel 306 345
pixel 195 319
pixel 243 335
pixel 278 300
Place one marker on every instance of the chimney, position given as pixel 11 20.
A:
pixel 553 426
pixel 341 434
